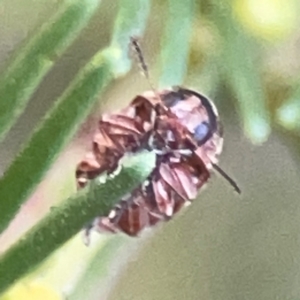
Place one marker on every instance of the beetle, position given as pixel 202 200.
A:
pixel 181 126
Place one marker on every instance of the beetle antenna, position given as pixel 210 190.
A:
pixel 228 178
pixel 134 41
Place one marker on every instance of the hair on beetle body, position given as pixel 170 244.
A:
pixel 182 127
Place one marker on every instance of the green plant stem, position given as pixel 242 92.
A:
pixel 238 61
pixel 176 42
pixel 66 220
pixel 35 60
pixel 56 130
pixel 130 22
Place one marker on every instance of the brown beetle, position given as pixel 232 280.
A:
pixel 181 126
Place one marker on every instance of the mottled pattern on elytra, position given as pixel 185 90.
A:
pixel 182 127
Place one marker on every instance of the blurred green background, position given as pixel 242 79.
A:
pixel 245 55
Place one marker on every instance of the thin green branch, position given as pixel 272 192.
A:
pixel 238 61
pixel 176 42
pixel 30 165
pixel 131 21
pixel 35 60
pixel 66 220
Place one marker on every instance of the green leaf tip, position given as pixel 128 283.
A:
pixel 132 168
pixel 257 129
pixel 141 162
pixel 288 115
